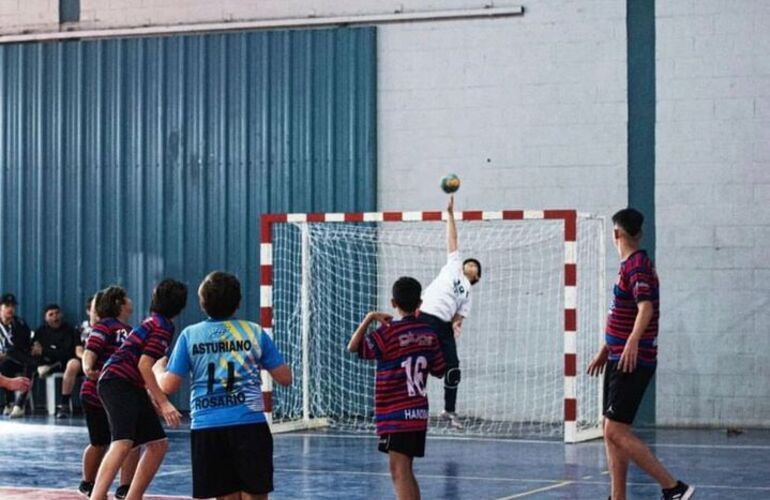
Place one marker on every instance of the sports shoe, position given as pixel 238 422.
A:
pixel 122 491
pixel 62 411
pixel 454 420
pixel 681 491
pixel 85 488
pixel 8 409
pixel 17 412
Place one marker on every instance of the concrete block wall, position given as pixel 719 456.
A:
pixel 712 193
pixel 23 15
pixel 529 111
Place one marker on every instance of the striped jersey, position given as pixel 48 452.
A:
pixel 223 360
pixel 103 340
pixel 637 282
pixel 406 351
pixel 151 338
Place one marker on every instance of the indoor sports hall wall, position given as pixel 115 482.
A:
pixel 532 111
pixel 713 189
pixel 123 161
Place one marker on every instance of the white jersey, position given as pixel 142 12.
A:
pixel 449 293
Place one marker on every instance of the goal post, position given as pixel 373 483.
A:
pixel 536 319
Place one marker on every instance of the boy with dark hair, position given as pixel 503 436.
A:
pixel 445 304
pixel 406 350
pixel 630 358
pixel 56 340
pixel 107 334
pixel 126 379
pixel 232 448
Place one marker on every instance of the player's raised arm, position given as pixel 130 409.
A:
pixel 358 335
pixel 451 227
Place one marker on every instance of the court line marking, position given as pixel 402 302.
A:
pixel 528 441
pixel 61 490
pixel 12 427
pixel 553 482
pixel 538 490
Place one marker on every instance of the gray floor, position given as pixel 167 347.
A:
pixel 43 457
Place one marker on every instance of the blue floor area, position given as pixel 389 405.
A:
pixel 41 452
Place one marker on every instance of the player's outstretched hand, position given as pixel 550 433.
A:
pixel 21 384
pixel 627 362
pixel 381 317
pixel 451 206
pixel 596 366
pixel 170 414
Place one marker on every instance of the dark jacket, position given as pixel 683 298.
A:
pixel 19 348
pixel 59 344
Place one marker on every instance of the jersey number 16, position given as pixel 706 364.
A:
pixel 415 376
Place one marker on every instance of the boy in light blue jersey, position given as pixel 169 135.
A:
pixel 231 444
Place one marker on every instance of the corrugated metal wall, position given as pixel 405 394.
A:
pixel 128 160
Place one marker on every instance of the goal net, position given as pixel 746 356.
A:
pixel 536 318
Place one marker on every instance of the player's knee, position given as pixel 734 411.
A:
pixel 159 446
pixel 73 366
pixel 399 466
pixel 452 377
pixel 615 432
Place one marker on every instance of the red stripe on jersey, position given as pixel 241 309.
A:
pixel 407 351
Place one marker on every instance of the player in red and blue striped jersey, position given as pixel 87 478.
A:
pixel 406 351
pixel 114 307
pixel 123 387
pixel 630 358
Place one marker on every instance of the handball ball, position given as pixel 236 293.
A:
pixel 450 183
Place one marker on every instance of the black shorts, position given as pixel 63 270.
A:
pixel 446 337
pixel 130 412
pixel 411 444
pixel 229 459
pixel 623 392
pixel 98 425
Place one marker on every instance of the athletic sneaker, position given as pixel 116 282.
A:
pixel 17 412
pixel 8 409
pixel 454 420
pixel 85 488
pixel 681 491
pixel 62 411
pixel 122 491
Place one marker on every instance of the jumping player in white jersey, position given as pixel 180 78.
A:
pixel 445 304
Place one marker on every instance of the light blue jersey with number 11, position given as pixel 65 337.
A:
pixel 224 360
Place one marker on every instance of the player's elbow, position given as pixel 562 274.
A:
pixel 282 375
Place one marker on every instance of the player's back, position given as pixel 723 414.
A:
pixel 153 336
pixel 407 351
pixel 105 338
pixel 224 359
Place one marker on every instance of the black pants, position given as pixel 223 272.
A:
pixel 446 338
pixel 13 366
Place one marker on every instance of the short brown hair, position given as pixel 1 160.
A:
pixel 108 305
pixel 220 294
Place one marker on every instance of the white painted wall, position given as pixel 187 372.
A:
pixel 529 111
pixel 21 15
pixel 713 189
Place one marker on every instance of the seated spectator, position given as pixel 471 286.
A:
pixel 15 353
pixel 54 345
